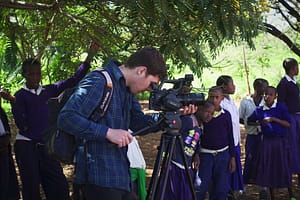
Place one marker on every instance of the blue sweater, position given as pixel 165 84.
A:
pixel 30 110
pixel 217 133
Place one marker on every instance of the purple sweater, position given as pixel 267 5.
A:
pixel 288 93
pixel 30 111
pixel 217 133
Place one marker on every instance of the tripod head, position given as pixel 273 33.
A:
pixel 171 122
pixel 168 121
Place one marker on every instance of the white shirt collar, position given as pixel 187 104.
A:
pixel 33 91
pixel 293 79
pixel 218 113
pixel 265 107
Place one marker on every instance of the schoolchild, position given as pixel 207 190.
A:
pixel 9 187
pixel 288 93
pixel 217 154
pixel 236 178
pixel 178 187
pixel 273 169
pixel 253 131
pixel 30 112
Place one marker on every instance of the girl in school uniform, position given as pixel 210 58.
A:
pixel 236 179
pixel 288 93
pixel 217 154
pixel 273 170
pixel 177 184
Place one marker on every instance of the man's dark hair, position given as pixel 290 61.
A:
pixel 151 58
pixel 289 63
pixel 30 63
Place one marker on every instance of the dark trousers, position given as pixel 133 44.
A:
pixel 93 192
pixel 214 173
pixel 37 167
pixel 9 187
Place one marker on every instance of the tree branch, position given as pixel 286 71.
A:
pixel 28 6
pixel 291 10
pixel 277 33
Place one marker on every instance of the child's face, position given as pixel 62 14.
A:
pixel 270 96
pixel 215 97
pixel 229 88
pixel 261 89
pixel 206 114
pixel 295 70
pixel 33 77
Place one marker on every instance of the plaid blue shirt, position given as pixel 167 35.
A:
pixel 107 164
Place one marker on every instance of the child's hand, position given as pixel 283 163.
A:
pixel 92 51
pixel 196 161
pixel 267 120
pixel 232 165
pixel 5 94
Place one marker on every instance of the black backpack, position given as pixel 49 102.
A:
pixel 60 144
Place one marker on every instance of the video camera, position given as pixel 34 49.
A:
pixel 173 98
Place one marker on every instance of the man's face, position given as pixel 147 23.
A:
pixel 141 81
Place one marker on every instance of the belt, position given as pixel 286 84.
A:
pixel 214 152
pixel 179 165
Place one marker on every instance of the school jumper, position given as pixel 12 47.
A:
pixel 253 139
pixel 36 167
pixel 288 93
pixel 178 187
pixel 273 168
pixel 236 178
pixel 9 188
pixel 217 147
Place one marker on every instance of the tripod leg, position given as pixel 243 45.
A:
pixel 165 169
pixel 153 182
pixel 187 170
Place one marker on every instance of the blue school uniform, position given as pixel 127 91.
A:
pixel 36 167
pixel 9 188
pixel 178 187
pixel 273 169
pixel 288 93
pixel 217 147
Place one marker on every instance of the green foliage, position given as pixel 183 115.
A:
pixel 187 32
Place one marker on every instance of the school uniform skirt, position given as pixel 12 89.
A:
pixel 294 143
pixel 273 168
pixel 251 149
pixel 178 187
pixel 236 178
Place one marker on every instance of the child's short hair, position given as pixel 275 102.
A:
pixel 206 104
pixel 216 88
pixel 272 88
pixel 223 80
pixel 259 83
pixel 289 63
pixel 30 63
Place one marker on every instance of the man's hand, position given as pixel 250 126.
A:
pixel 118 136
pixel 187 110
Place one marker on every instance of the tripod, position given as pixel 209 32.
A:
pixel 169 139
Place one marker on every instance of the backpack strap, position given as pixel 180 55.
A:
pixel 106 97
